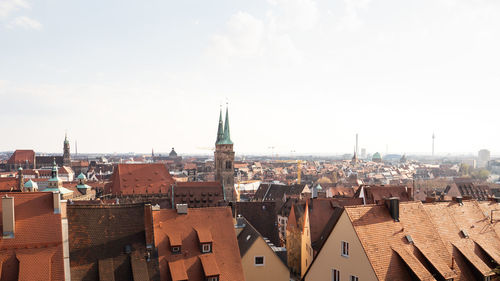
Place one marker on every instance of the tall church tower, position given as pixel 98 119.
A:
pixel 66 153
pixel 224 158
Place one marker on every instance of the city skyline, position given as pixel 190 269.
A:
pixel 299 75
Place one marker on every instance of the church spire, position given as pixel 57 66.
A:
pixel 220 130
pixel 227 134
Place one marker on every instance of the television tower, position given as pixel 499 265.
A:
pixel 433 137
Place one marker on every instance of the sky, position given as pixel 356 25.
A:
pixel 299 76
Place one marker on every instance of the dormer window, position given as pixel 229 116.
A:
pixel 213 278
pixel 175 249
pixel 206 248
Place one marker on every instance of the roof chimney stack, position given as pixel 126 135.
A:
pixel 182 209
pixel 393 205
pixel 8 219
pixel 56 198
pixel 458 199
pixel 240 221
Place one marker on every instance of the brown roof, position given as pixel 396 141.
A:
pixel 102 234
pixel 262 215
pixel 177 270
pixel 9 183
pixel 377 193
pixel 380 235
pixel 450 219
pixel 140 179
pixel 37 242
pixel 22 156
pixel 225 254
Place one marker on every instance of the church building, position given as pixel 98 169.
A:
pixel 224 158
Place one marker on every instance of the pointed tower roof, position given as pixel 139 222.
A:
pixel 220 130
pixel 227 134
pixel 292 220
pixel 66 141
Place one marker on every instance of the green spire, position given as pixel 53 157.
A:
pixel 220 131
pixel 227 134
pixel 66 141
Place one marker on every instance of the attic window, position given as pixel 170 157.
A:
pixel 213 278
pixel 176 249
pixel 206 248
pixel 259 261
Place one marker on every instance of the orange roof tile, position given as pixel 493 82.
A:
pixel 204 235
pixel 22 156
pixel 37 242
pixel 209 265
pixel 177 270
pixel 140 179
pixel 225 251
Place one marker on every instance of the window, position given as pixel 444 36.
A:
pixel 213 278
pixel 345 249
pixel 335 275
pixel 206 248
pixel 229 165
pixel 354 278
pixel 259 261
pixel 176 250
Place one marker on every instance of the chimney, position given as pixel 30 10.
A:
pixel 458 199
pixel 182 209
pixel 56 198
pixel 8 219
pixel 393 206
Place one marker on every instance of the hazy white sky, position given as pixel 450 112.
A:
pixel 299 75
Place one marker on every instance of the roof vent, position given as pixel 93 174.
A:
pixel 410 240
pixel 182 208
pixel 458 199
pixel 464 233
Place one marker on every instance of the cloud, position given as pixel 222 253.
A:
pixel 9 6
pixel 269 38
pixel 25 22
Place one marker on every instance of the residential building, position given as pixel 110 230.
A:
pixel 409 241
pixel 259 258
pixel 32 243
pixel 197 244
pixel 111 242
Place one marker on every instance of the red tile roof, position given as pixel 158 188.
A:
pixel 9 184
pixel 21 156
pixel 140 179
pixel 380 235
pixel 225 257
pixel 37 242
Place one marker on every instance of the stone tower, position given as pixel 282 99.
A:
pixel 66 153
pixel 224 158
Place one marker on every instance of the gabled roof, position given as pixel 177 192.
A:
pixel 102 234
pixel 262 215
pixel 140 179
pixel 377 193
pixel 22 156
pixel 225 252
pixel 382 237
pixel 248 236
pixel 37 242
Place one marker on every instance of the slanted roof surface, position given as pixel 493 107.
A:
pixel 225 251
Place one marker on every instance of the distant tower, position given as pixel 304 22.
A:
pixel 66 153
pixel 433 137
pixel 224 158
